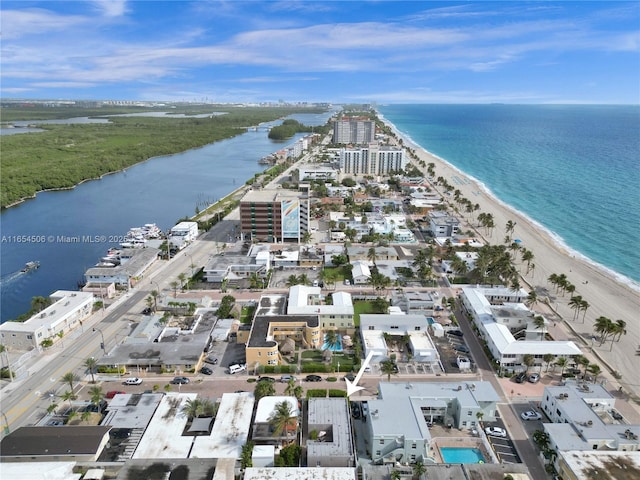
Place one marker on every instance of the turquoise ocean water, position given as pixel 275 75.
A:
pixel 573 169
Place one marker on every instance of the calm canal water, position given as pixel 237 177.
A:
pixel 161 191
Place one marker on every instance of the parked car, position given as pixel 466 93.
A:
pixel 206 371
pixel 350 376
pixel 461 348
pixel 495 432
pixel 237 368
pixel 355 410
pixel 133 381
pixel 211 360
pixel 616 415
pixel 99 407
pixel 521 377
pixel 313 378
pixel 146 311
pixel 112 393
pixel 266 379
pixel 179 380
pixel 287 378
pixel 534 377
pixel 530 415
pixel 456 333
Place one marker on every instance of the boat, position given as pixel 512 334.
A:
pixel 30 266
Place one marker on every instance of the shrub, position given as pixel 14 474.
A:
pixel 337 393
pixel 332 379
pixel 316 393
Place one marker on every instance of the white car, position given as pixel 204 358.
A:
pixel 133 381
pixel 530 415
pixel 495 432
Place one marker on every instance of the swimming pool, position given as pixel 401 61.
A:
pixel 334 348
pixel 461 455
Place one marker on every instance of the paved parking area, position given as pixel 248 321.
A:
pixel 503 447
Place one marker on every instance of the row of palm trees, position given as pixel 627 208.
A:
pixel 606 328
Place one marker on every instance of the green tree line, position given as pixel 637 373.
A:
pixel 64 155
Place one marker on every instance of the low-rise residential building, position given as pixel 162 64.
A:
pixel 52 444
pixel 398 420
pixel 233 269
pixel 488 306
pixel 264 431
pixel 582 420
pixel 272 327
pixel 580 465
pixel 153 346
pixel 183 234
pixel 416 303
pixel 360 273
pixel 133 263
pixel 66 313
pixel 442 224
pixel 362 253
pixel 338 314
pixel 333 445
pixel 374 328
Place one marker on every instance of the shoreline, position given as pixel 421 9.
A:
pixel 608 293
pixel 554 238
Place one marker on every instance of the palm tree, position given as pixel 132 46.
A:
pixel 419 469
pixel 539 322
pixel 509 228
pixel 480 416
pixel 282 419
pixel 292 280
pixel 575 303
pixel 175 284
pixel 96 394
pixel 183 278
pixel 3 349
pixel 264 389
pixel 395 475
pixel 69 396
pixel 528 360
pixel 371 255
pixel 562 362
pixel 306 237
pixel 548 358
pixel 303 279
pixel 584 306
pixel 332 339
pixel 388 368
pixel 192 408
pixel 595 370
pixel 527 256
pixel 91 363
pixel 620 329
pixel 532 299
pixel 70 378
pixel 604 326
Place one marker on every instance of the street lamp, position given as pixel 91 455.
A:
pixel 102 338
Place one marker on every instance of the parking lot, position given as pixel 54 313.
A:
pixel 450 347
pixel 503 447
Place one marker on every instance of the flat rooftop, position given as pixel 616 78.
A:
pixel 300 473
pixel 127 410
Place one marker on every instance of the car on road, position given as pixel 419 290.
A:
pixel 133 381
pixel 180 380
pixel 495 432
pixel 313 378
pixel 266 379
pixel 456 333
pixel 530 415
pixel 534 378
pixel 211 360
pixel 206 371
pixel 350 376
pixel 113 393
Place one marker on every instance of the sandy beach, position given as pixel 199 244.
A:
pixel 607 296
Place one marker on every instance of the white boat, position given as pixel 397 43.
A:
pixel 30 266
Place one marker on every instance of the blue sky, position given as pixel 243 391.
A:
pixel 333 51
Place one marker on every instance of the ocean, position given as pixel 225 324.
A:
pixel 573 169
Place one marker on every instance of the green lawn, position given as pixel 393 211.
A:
pixel 359 308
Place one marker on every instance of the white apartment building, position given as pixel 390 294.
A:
pixel 354 130
pixel 67 312
pixel 372 160
pixel 183 234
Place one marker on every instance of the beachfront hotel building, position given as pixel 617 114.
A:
pixel 357 130
pixel 274 216
pixel 498 313
pixel 372 159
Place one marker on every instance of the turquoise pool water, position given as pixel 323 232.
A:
pixel 335 348
pixel 461 455
pixel 431 320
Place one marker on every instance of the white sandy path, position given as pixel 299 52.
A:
pixel 606 295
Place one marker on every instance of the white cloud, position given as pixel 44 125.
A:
pixel 111 8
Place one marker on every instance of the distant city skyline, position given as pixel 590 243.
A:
pixel 340 52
